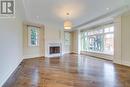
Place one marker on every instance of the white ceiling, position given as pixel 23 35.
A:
pixel 54 11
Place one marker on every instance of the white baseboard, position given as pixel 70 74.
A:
pixel 117 61
pixel 29 57
pixel 10 73
pixel 99 55
pixel 126 63
pixel 74 52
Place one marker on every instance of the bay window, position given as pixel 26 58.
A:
pixel 99 39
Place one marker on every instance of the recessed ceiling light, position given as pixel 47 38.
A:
pixel 37 17
pixel 107 8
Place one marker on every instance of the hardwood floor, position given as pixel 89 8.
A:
pixel 69 71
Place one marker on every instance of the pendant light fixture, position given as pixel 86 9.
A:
pixel 67 23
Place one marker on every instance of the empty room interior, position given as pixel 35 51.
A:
pixel 64 43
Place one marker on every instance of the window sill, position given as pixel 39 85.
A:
pixel 98 54
pixel 105 53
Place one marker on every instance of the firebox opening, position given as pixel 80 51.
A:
pixel 54 50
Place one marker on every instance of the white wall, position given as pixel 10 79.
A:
pixel 117 40
pixel 11 43
pixel 74 42
pixel 122 40
pixel 126 39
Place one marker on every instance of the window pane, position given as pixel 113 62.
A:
pixel 106 30
pixel 89 33
pixel 109 43
pixel 95 32
pixel 101 31
pixel 100 40
pixel 84 42
pixel 67 38
pixel 96 43
pixel 111 29
pixel 33 36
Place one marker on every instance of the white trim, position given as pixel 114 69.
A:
pixel 100 55
pixel 117 61
pixel 106 17
pixel 10 73
pixel 127 63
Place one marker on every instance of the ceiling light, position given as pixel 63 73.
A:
pixel 108 8
pixel 67 23
pixel 37 17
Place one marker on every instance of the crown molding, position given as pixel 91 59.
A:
pixel 104 18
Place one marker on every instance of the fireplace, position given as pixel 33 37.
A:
pixel 54 49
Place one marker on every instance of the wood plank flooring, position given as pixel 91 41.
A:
pixel 71 70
